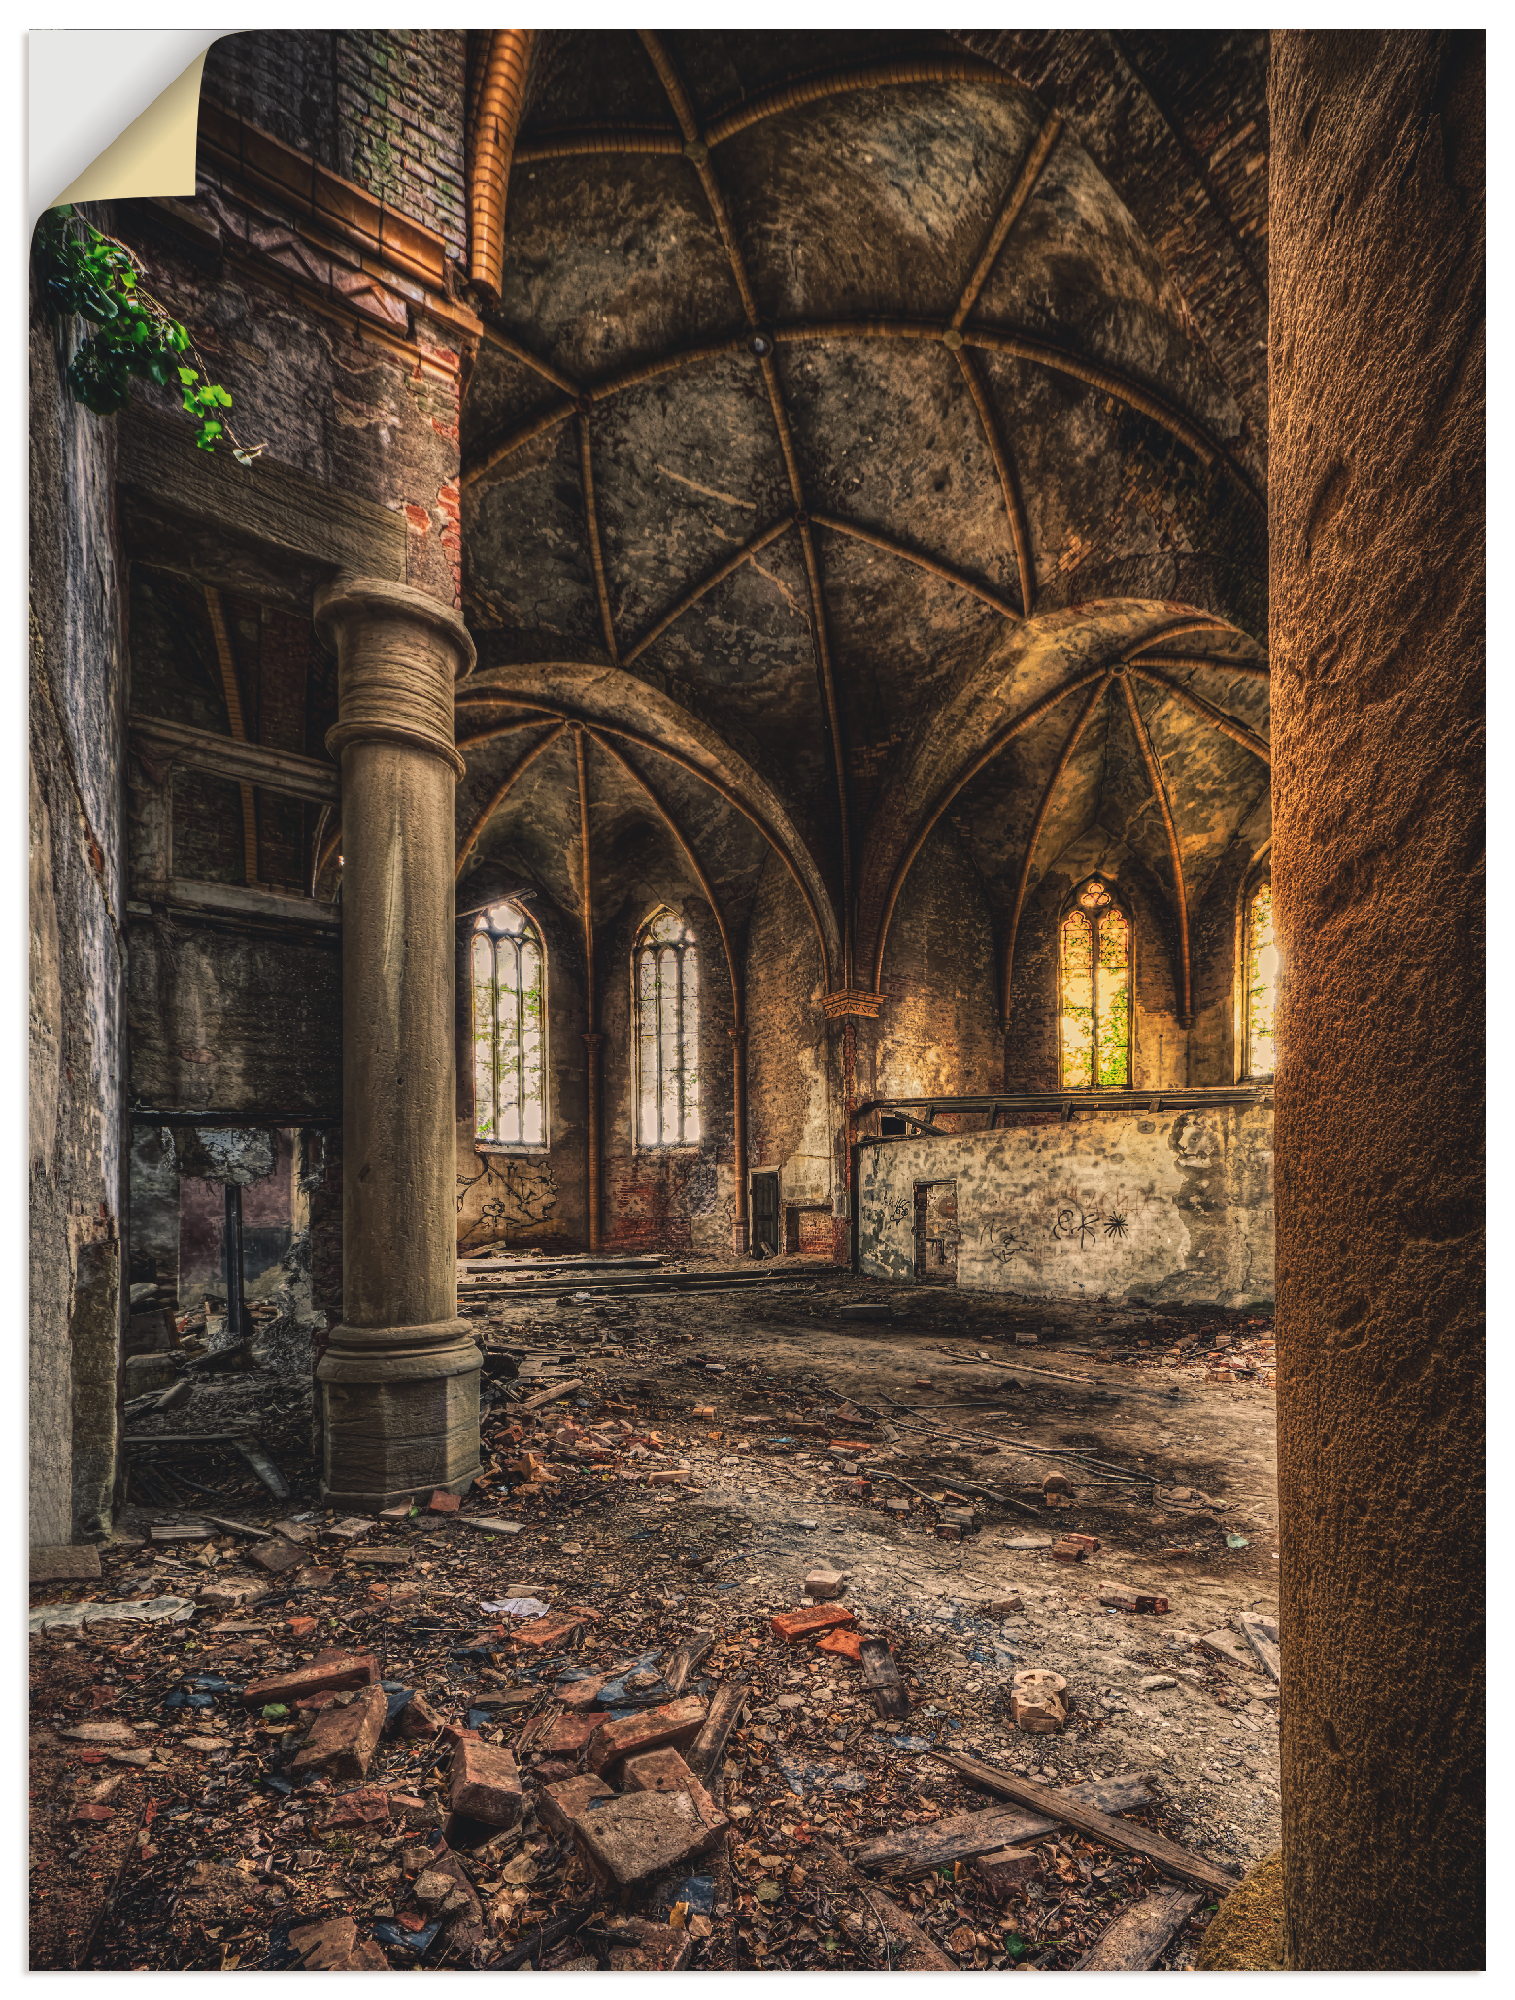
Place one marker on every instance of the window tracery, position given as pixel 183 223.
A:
pixel 666 974
pixel 507 964
pixel 1094 991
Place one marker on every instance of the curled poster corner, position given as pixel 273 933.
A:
pixel 87 85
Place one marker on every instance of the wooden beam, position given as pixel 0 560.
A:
pixel 243 763
pixel 1140 1935
pixel 1065 1807
pixel 917 1850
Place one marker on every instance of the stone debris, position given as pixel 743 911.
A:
pixel 1037 1703
pixel 486 1783
pixel 646 1778
pixel 344 1737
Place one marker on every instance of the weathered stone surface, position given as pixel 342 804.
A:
pixel 1376 218
pixel 657 1771
pixel 635 1836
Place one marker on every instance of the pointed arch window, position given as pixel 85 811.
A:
pixel 507 965
pixel 1259 983
pixel 1094 991
pixel 666 975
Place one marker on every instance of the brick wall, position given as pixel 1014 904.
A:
pixel 383 107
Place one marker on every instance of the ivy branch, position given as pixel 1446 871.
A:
pixel 86 272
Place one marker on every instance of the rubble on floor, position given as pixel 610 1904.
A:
pixel 632 1706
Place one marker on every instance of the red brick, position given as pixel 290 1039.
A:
pixel 809 1620
pixel 443 1502
pixel 486 1784
pixel 561 1735
pixel 656 1771
pixel 328 1673
pixel 342 1740
pixel 559 1803
pixel 676 1722
pixel 848 1644
pixel 556 1629
pixel 1007 1869
pixel 1075 1548
pixel 418 1719
pixel 1135 1600
pixel 580 1694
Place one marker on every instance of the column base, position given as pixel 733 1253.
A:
pixel 401 1413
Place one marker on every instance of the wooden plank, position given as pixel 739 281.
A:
pixel 247 763
pixel 684 1659
pixel 232 899
pixel 1139 1936
pixel 1071 1811
pixel 262 502
pixel 921 1953
pixel 709 1747
pixel 916 1850
pixel 1261 1634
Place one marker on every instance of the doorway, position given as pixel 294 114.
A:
pixel 936 1232
pixel 765 1214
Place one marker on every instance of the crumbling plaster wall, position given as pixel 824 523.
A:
pixel 939 1031
pixel 1173 1207
pixel 76 957
pixel 792 1095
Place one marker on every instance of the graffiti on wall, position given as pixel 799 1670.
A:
pixel 505 1192
pixel 1082 1222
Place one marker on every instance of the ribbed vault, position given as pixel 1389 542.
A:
pixel 839 424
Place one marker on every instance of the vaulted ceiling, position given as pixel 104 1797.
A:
pixel 838 431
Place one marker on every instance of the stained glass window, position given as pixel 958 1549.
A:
pixel 1261 988
pixel 1095 992
pixel 506 961
pixel 667 974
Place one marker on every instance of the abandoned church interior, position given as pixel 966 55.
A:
pixel 727 886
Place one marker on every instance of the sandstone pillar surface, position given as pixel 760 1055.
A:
pixel 400 1376
pixel 1376 216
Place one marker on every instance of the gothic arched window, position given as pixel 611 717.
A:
pixel 1259 983
pixel 1094 991
pixel 509 1067
pixel 666 972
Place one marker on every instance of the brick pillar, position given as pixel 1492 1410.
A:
pixel 1376 250
pixel 400 1375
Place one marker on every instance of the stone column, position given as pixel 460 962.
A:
pixel 1376 447
pixel 400 1375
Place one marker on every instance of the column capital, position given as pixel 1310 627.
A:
pixel 852 1003
pixel 398 654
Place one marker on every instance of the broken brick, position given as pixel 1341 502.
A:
pixel 809 1620
pixel 486 1785
pixel 635 1945
pixel 1135 1600
pixel 629 1839
pixel 823 1584
pixel 675 1722
pixel 330 1944
pixel 1003 1871
pixel 418 1719
pixel 556 1629
pixel 443 1502
pixel 561 1735
pixel 559 1803
pixel 1036 1701
pixel 342 1739
pixel 848 1645
pixel 580 1694
pixel 1075 1548
pixel 328 1673
pixel 656 1771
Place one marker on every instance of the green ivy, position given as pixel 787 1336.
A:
pixel 86 273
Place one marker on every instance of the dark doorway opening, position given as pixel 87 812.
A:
pixel 765 1213
pixel 936 1232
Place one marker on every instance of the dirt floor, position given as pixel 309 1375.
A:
pixel 707 1457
